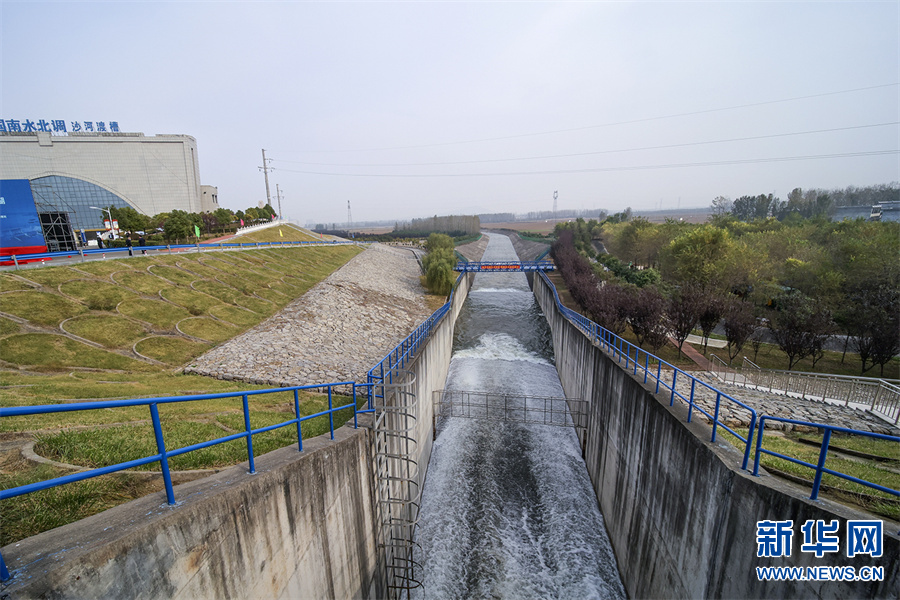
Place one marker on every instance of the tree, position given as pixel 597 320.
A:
pixel 647 317
pixel 609 307
pixel 712 310
pixel 683 312
pixel 439 263
pixel 224 217
pixel 130 219
pixel 874 322
pixel 740 323
pixel 178 225
pixel 799 326
pixel 721 205
pixel 697 257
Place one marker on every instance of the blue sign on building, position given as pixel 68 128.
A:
pixel 20 226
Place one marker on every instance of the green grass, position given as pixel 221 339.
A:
pixel 199 269
pixel 173 274
pixel 170 350
pixel 40 308
pixel 219 290
pixel 196 303
pixel 142 282
pixel 208 329
pixel 8 326
pixel 257 305
pixel 237 316
pixel 96 295
pixel 31 514
pixel 105 268
pixel 271 234
pixel 110 331
pixel 8 283
pixel 49 350
pixel 49 276
pixel 156 312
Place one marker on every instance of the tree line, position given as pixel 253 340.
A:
pixel 803 280
pixel 803 204
pixel 178 224
pixel 457 225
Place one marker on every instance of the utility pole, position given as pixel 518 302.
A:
pixel 555 195
pixel 265 169
pixel 349 218
pixel 278 193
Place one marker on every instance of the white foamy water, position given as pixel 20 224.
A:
pixel 500 346
pixel 508 510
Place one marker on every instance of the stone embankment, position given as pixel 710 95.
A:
pixel 337 331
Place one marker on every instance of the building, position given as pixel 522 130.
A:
pixel 73 176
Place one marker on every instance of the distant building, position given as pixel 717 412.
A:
pixel 70 173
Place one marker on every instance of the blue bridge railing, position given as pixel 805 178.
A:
pixel 638 360
pixel 495 267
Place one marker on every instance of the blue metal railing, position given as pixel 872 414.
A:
pixel 163 453
pixel 504 266
pixel 638 359
pixel 136 249
pixel 819 468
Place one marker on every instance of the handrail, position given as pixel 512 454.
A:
pixel 621 348
pixel 819 468
pixel 163 453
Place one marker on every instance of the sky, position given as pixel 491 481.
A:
pixel 414 109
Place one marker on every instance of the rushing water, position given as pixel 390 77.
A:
pixel 508 510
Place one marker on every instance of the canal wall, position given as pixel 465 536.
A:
pixel 303 526
pixel 680 513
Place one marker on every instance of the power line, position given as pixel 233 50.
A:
pixel 593 153
pixel 610 124
pixel 613 169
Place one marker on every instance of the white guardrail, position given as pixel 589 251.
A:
pixel 880 396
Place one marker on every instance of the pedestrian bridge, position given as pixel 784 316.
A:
pixel 506 266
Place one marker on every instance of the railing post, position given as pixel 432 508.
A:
pixel 716 416
pixel 249 435
pixel 16 261
pixel 658 373
pixel 674 377
pixel 691 403
pixel 81 252
pixel 330 414
pixel 646 365
pixel 826 439
pixel 4 572
pixel 161 449
pixel 297 414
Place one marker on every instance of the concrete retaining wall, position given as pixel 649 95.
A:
pixel 680 513
pixel 303 526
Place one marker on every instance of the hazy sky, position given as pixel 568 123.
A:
pixel 410 109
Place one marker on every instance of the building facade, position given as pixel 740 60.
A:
pixel 76 175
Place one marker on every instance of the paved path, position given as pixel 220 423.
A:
pixel 336 331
